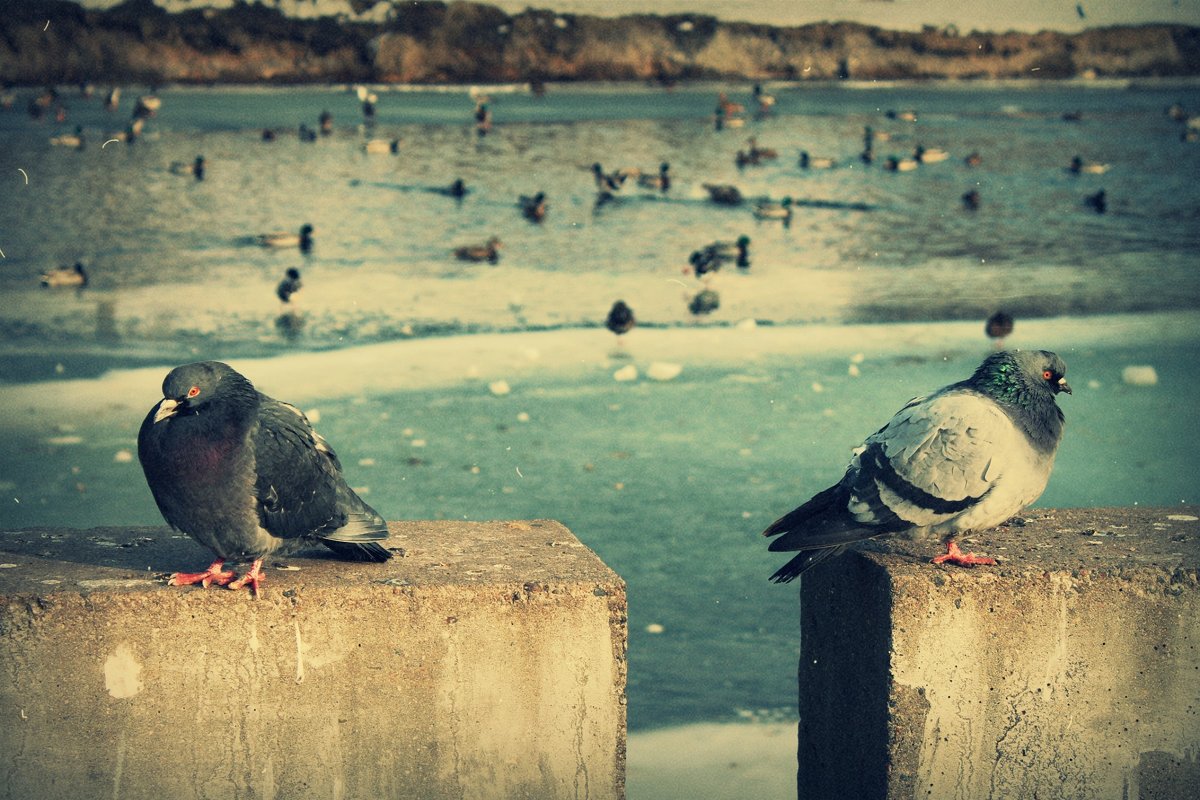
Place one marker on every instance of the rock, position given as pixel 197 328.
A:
pixel 626 373
pixel 664 371
pixel 1139 375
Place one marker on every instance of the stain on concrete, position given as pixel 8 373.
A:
pixel 122 673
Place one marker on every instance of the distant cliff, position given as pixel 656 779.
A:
pixel 56 41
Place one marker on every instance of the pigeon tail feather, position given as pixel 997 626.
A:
pixel 804 562
pixel 358 551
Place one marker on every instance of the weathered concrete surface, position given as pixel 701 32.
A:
pixel 487 662
pixel 1070 670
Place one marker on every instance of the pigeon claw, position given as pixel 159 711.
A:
pixel 252 578
pixel 214 574
pixel 955 556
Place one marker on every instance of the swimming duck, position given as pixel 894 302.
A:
pixel 196 168
pixel 303 239
pixel 458 190
pixel 661 181
pixel 620 319
pixel 810 162
pixel 289 286
pixel 382 146
pixel 755 155
pixel 307 134
pixel 998 326
pixel 533 208
pixel 65 276
pixel 723 194
pixel 904 116
pixel 970 200
pixel 769 209
pixel 706 302
pixel 929 155
pixel 605 181
pixel 1097 202
pixel 894 164
pixel 765 101
pixel 146 106
pixel 488 251
pixel 973 159
pixel 69 139
pixel 712 256
pixel 1080 167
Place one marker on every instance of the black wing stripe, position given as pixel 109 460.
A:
pixel 885 472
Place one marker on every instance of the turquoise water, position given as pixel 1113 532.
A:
pixel 669 482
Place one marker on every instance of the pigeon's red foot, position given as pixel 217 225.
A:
pixel 956 556
pixel 252 578
pixel 214 574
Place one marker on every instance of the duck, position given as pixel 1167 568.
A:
pixel 712 256
pixel 894 164
pixel 765 101
pixel 755 155
pixel 929 155
pixel 381 146
pixel 970 200
pixel 727 107
pixel 998 326
pixel 146 106
pixel 307 134
pixel 458 190
pixel 289 286
pixel 325 121
pixel 65 277
pixel 533 208
pixel 1097 202
pixel 489 251
pixel 907 115
pixel 811 162
pixel 661 181
pixel 303 239
pixel 769 209
pixel 1080 167
pixel 705 302
pixel 723 194
pixel 605 181
pixel 196 168
pixel 620 319
pixel 973 159
pixel 75 139
pixel 131 134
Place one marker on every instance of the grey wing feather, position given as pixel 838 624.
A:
pixel 934 460
pixel 297 479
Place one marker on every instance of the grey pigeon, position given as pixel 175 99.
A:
pixel 966 457
pixel 247 476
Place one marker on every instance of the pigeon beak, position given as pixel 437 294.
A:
pixel 166 409
pixel 1062 386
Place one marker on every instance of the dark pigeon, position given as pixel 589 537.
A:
pixel 967 457
pixel 620 318
pixel 247 476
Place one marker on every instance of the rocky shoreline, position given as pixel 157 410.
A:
pixel 57 41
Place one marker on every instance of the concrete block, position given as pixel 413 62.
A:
pixel 1070 670
pixel 487 662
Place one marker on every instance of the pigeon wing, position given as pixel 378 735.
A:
pixel 297 474
pixel 938 458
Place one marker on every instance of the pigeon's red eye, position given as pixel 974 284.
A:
pixel 1047 374
pixel 195 390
